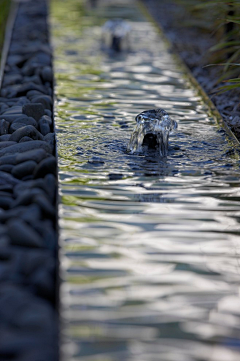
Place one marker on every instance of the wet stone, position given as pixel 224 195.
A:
pixel 26 130
pixel 5 202
pixel 24 119
pixel 24 147
pixel 27 177
pixel 11 79
pixel 34 78
pixel 16 109
pixel 5 137
pixel 51 186
pixel 6 178
pixel 5 253
pixel 45 167
pixel 49 113
pixel 33 93
pixel 6 168
pixel 34 110
pixel 20 309
pixel 27 320
pixel 16 126
pixel 22 234
pixel 8 159
pixel 22 100
pixel 50 139
pixel 23 89
pixel 10 117
pixel 25 139
pixel 26 196
pixel 47 74
pixel 5 194
pixel 45 100
pixel 32 214
pixel 41 57
pixel 15 60
pixel 23 169
pixel 4 126
pixel 37 155
pixel 6 144
pixel 26 186
pixel 46 207
pixel 3 107
pixel 29 70
pixel 6 188
pixel 43 283
pixel 44 126
pixel 46 118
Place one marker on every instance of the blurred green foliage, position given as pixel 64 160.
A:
pixel 222 19
pixel 4 11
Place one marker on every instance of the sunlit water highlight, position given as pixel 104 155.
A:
pixel 149 245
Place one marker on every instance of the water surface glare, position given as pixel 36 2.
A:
pixel 149 246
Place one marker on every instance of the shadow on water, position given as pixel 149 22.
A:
pixel 149 244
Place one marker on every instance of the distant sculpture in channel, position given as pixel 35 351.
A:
pixel 152 131
pixel 116 35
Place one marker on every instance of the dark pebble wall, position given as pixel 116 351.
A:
pixel 28 191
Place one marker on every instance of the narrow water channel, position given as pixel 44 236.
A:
pixel 149 253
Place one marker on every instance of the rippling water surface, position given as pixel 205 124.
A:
pixel 149 246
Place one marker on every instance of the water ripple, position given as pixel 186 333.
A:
pixel 149 246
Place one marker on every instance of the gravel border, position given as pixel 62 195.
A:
pixel 192 44
pixel 28 193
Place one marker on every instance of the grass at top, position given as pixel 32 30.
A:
pixel 5 7
pixel 222 19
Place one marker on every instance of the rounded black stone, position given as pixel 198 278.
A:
pixel 26 130
pixel 49 113
pixel 45 100
pixel 25 139
pixel 46 207
pixel 24 119
pixel 35 154
pixel 4 137
pixel 50 139
pixel 51 186
pixel 10 117
pixel 6 168
pixel 15 109
pixel 6 144
pixel 5 201
pixel 24 169
pixel 47 74
pixel 6 178
pixel 22 234
pixel 23 89
pixel 26 196
pixel 16 126
pixel 44 126
pixel 3 107
pixel 4 126
pixel 45 167
pixel 32 214
pixel 8 159
pixel 35 110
